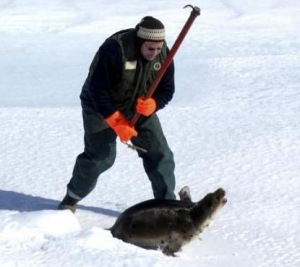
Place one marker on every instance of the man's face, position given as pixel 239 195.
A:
pixel 150 50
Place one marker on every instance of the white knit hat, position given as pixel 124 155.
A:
pixel 151 29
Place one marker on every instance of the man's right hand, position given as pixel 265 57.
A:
pixel 121 126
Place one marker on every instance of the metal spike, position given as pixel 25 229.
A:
pixel 134 147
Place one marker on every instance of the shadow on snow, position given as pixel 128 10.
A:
pixel 10 200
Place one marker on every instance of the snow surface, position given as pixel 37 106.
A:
pixel 233 123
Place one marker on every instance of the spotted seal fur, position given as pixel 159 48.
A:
pixel 168 224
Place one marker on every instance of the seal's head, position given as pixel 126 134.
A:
pixel 204 211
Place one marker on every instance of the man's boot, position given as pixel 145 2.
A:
pixel 68 203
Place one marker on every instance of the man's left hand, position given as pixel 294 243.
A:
pixel 145 106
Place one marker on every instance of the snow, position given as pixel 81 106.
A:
pixel 233 123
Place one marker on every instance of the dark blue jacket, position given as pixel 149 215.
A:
pixel 106 71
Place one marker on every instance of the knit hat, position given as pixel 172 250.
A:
pixel 151 29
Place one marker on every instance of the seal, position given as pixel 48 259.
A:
pixel 168 224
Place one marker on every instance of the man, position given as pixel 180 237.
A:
pixel 122 71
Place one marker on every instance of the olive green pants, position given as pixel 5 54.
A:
pixel 100 153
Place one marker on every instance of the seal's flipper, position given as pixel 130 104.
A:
pixel 185 194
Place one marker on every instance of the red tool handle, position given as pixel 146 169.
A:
pixel 195 12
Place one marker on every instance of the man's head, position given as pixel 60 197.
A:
pixel 151 33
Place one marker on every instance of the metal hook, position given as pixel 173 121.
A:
pixel 195 9
pixel 134 147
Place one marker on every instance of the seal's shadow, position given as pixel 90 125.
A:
pixel 10 200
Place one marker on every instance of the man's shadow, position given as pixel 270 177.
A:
pixel 10 200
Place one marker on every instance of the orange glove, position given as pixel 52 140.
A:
pixel 145 106
pixel 121 126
